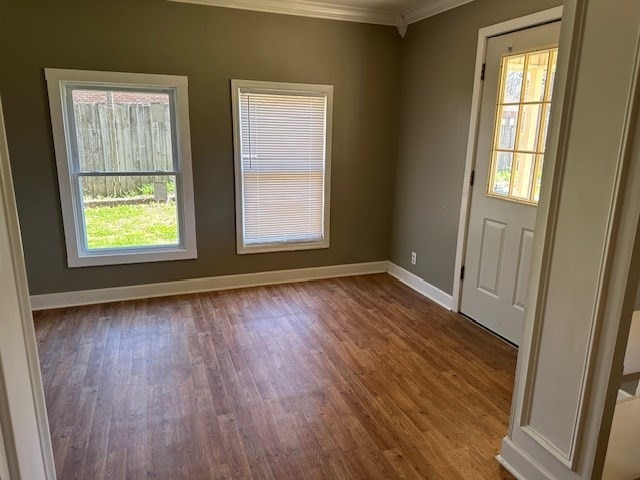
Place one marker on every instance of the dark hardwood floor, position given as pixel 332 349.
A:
pixel 340 379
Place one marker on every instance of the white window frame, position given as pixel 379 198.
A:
pixel 77 254
pixel 284 89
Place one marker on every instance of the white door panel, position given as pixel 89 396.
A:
pixel 501 230
pixel 524 265
pixel 491 255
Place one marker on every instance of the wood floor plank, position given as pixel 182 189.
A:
pixel 350 378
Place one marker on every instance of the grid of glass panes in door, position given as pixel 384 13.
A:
pixel 522 120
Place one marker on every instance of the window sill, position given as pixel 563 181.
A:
pixel 121 257
pixel 282 247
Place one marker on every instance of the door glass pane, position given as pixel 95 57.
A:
pixel 508 120
pixel 522 122
pixel 513 79
pixel 129 211
pixel 536 76
pixel 502 173
pixel 122 130
pixel 523 175
pixel 529 128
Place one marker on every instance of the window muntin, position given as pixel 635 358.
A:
pixel 522 120
pixel 282 150
pixel 123 155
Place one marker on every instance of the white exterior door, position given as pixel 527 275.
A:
pixel 514 113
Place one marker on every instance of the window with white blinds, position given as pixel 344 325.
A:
pixel 282 156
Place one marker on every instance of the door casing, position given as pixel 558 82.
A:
pixel 23 416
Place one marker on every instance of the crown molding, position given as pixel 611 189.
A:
pixel 307 8
pixel 430 8
pixel 335 11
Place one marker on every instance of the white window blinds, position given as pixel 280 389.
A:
pixel 283 158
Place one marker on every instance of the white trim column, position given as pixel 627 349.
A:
pixel 584 270
pixel 23 417
pixel 4 465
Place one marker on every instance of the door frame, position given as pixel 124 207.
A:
pixel 4 465
pixel 484 34
pixel 23 415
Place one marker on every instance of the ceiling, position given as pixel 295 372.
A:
pixel 398 13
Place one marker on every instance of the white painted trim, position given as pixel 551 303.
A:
pixel 306 8
pixel 243 280
pixel 546 224
pixel 120 78
pixel 208 284
pixel 603 313
pixel 419 285
pixel 431 8
pixel 4 464
pixel 507 466
pixel 520 464
pixel 520 448
pixel 484 34
pixel 77 254
pixel 618 261
pixel 335 11
pixel 25 427
pixel 627 146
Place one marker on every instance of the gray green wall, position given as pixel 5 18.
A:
pixel 438 62
pixel 210 46
pixel 400 128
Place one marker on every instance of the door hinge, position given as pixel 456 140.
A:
pixel 473 177
pixel 462 273
pixel 484 66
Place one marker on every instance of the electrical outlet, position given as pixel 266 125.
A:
pixel 414 258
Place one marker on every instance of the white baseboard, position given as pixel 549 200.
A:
pixel 420 286
pixel 208 284
pixel 229 282
pixel 519 464
pixel 507 466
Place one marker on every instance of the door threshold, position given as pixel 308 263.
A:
pixel 499 337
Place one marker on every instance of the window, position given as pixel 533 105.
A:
pixel 124 166
pixel 282 136
pixel 522 120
